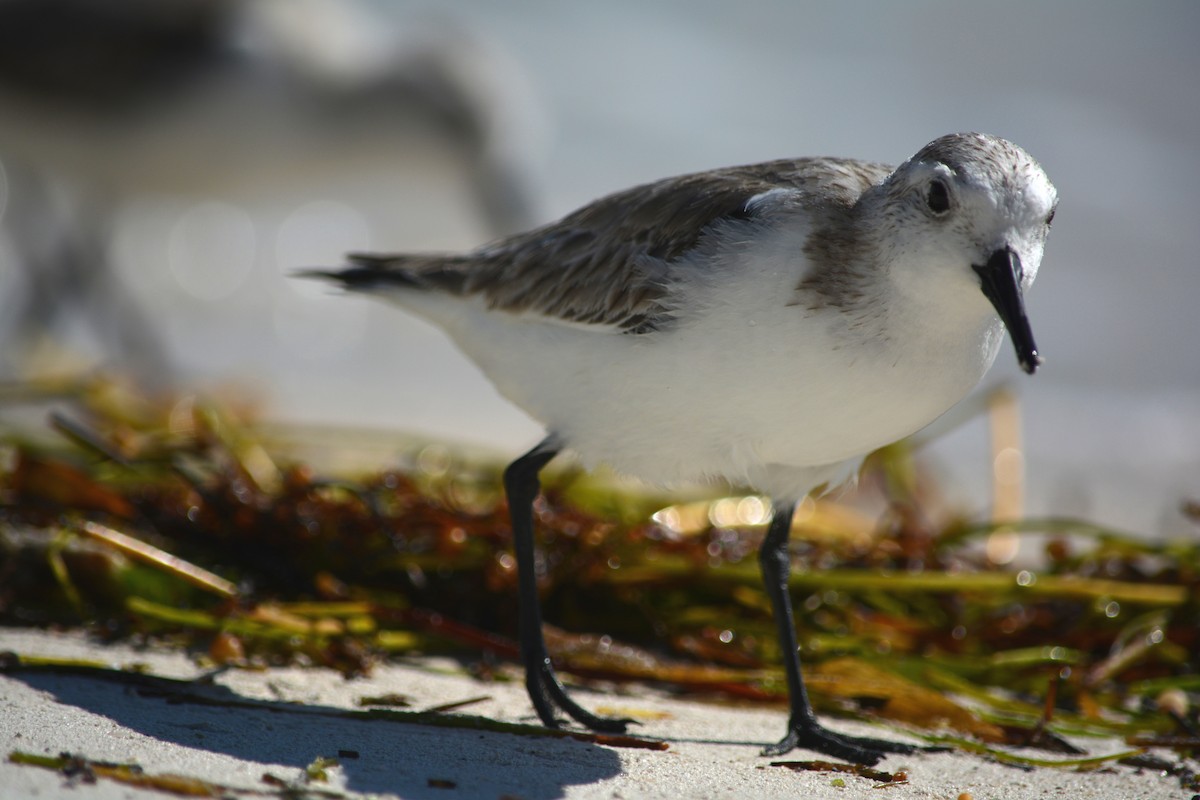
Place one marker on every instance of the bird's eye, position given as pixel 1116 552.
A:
pixel 938 198
pixel 1050 217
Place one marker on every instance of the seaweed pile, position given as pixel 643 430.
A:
pixel 182 522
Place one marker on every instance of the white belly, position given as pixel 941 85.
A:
pixel 751 405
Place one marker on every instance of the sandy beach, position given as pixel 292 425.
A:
pixel 258 749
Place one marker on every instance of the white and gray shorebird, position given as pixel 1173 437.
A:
pixel 765 326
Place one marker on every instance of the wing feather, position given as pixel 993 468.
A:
pixel 609 263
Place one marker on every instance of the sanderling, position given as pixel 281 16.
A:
pixel 765 325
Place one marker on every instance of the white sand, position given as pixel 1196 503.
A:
pixel 713 749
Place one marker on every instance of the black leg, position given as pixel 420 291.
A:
pixel 545 689
pixel 803 728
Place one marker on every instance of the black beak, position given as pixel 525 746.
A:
pixel 1001 277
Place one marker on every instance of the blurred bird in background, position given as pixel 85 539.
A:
pixel 207 108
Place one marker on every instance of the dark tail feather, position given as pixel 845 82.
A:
pixel 367 272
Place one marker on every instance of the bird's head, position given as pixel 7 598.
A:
pixel 972 212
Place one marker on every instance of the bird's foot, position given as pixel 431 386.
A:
pixel 856 749
pixel 548 694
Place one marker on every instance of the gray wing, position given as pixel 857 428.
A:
pixel 609 262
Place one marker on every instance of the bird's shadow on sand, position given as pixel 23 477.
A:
pixel 377 755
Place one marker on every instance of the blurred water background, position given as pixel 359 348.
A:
pixel 167 163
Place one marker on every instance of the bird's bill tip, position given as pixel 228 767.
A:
pixel 1030 362
pixel 1000 280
